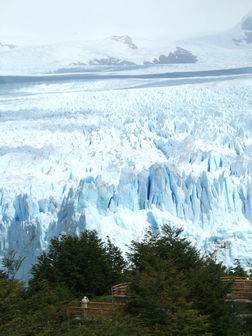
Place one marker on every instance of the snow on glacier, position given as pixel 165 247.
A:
pixel 90 154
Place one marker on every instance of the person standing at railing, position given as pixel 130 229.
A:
pixel 84 305
pixel 84 302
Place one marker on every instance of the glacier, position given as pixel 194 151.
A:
pixel 121 156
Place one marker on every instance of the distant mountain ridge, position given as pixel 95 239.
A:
pixel 123 50
pixel 6 46
pixel 180 55
pixel 245 27
pixel 126 40
pixel 238 36
pixel 115 50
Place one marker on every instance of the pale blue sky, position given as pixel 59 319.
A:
pixel 49 20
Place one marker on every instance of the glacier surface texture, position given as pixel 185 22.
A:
pixel 120 156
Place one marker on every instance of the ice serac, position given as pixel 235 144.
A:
pixel 160 193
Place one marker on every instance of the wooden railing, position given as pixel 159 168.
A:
pixel 94 310
pixel 101 309
pixel 120 290
pixel 241 289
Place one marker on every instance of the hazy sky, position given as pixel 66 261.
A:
pixel 48 20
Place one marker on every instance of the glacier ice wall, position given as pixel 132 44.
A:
pixel 76 156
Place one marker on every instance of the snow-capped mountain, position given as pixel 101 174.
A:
pixel 124 51
pixel 115 50
pixel 118 151
pixel 242 34
pixel 125 40
pixel 237 37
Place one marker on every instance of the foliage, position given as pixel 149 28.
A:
pixel 11 263
pixel 159 288
pixel 208 294
pixel 178 272
pixel 173 290
pixel 159 300
pixel 11 292
pixel 120 325
pixel 237 270
pixel 84 264
pixel 38 313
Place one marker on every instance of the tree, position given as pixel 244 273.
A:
pixel 167 245
pixel 11 292
pixel 11 263
pixel 84 264
pixel 167 266
pixel 237 270
pixel 159 288
pixel 116 261
pixel 208 293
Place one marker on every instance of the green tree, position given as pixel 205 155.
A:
pixel 167 245
pixel 117 263
pixel 84 264
pixel 119 325
pixel 180 270
pixel 208 293
pixel 237 270
pixel 159 287
pixel 11 297
pixel 12 263
pixel 31 313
